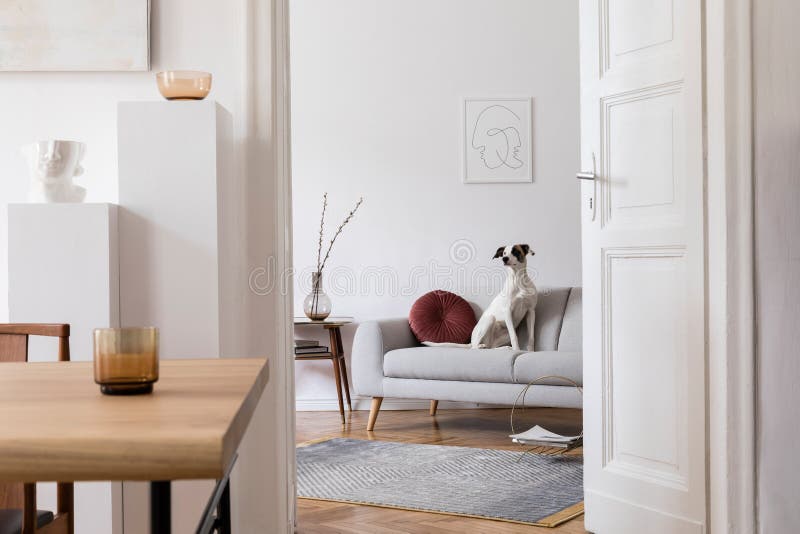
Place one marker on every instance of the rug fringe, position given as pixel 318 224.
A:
pixel 314 441
pixel 563 516
pixel 550 521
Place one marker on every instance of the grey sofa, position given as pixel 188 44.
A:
pixel 388 361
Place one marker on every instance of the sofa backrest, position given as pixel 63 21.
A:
pixel 571 337
pixel 558 320
pixel 549 316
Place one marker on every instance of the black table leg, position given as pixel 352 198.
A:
pixel 160 507
pixel 217 515
pixel 224 511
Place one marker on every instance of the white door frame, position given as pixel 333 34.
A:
pixel 280 115
pixel 729 263
pixel 729 257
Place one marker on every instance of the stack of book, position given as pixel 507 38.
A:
pixel 308 346
pixel 541 437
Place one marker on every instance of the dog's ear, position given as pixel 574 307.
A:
pixel 499 253
pixel 527 250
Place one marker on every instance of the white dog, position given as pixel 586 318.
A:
pixel 517 301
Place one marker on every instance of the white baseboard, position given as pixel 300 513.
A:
pixel 363 403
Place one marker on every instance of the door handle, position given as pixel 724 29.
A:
pixel 592 177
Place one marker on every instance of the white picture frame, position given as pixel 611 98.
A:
pixel 496 140
pixel 74 35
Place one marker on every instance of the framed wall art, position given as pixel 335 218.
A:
pixel 74 35
pixel 497 140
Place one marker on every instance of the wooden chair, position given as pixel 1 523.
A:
pixel 18 514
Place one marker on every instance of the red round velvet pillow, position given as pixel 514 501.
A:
pixel 442 317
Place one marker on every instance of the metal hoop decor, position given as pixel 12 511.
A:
pixel 520 400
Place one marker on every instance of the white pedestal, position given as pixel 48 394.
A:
pixel 62 268
pixel 180 225
pixel 191 231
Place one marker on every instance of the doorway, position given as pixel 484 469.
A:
pixel 723 438
pixel 378 114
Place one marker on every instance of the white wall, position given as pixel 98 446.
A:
pixel 376 90
pixel 231 40
pixel 777 191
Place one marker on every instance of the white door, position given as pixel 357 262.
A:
pixel 643 266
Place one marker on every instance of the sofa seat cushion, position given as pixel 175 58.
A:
pixel 532 365
pixel 450 363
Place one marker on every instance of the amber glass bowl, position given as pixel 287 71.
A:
pixel 126 360
pixel 184 84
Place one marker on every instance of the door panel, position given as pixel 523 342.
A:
pixel 642 156
pixel 635 25
pixel 634 361
pixel 643 266
pixel 636 31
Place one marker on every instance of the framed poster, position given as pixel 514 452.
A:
pixel 497 140
pixel 74 35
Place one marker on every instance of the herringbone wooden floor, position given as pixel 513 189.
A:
pixel 467 428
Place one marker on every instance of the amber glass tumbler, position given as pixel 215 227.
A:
pixel 126 360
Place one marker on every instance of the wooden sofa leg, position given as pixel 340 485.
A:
pixel 434 405
pixel 373 412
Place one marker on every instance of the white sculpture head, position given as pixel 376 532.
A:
pixel 52 164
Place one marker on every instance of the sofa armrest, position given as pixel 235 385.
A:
pixel 372 341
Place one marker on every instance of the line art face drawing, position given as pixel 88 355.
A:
pixel 497 140
pixel 496 137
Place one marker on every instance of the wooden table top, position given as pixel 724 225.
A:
pixel 329 321
pixel 56 425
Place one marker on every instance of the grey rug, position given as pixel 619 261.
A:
pixel 533 489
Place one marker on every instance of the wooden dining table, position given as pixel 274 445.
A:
pixel 55 425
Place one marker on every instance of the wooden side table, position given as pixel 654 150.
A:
pixel 335 354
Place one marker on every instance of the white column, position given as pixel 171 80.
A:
pixel 192 229
pixel 62 268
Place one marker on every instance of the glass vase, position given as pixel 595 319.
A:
pixel 317 305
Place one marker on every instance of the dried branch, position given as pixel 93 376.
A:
pixel 321 228
pixel 339 231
